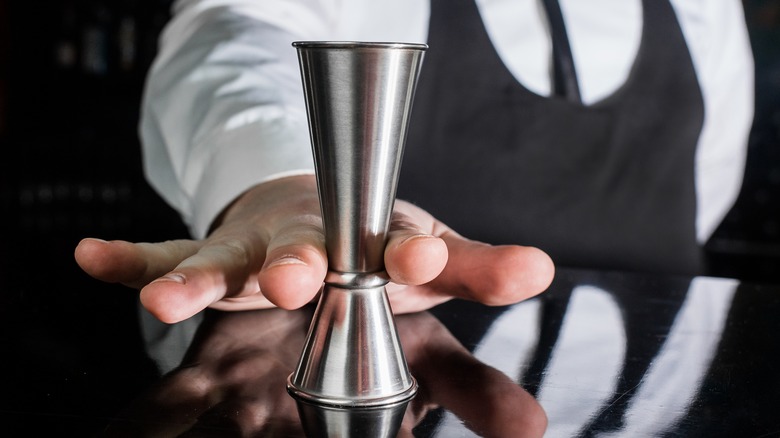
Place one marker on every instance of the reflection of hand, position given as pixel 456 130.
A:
pixel 232 378
pixel 486 400
pixel 232 382
pixel 268 250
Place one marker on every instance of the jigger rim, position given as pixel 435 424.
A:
pixel 359 45
pixel 342 402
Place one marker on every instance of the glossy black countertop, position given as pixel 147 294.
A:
pixel 605 354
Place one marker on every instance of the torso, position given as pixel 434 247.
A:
pixel 607 185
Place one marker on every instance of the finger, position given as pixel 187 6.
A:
pixel 225 266
pixel 296 263
pixel 493 275
pixel 412 255
pixel 132 264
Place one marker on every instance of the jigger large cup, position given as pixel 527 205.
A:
pixel 358 99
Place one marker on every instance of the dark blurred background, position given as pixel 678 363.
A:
pixel 70 85
pixel 71 75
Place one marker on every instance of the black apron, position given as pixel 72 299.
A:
pixel 609 185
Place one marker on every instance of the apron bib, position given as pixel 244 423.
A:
pixel 609 185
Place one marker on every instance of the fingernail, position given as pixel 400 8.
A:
pixel 174 277
pixel 287 259
pixel 415 237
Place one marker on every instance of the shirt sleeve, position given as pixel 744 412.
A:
pixel 223 105
pixel 717 36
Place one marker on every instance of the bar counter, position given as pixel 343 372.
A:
pixel 605 354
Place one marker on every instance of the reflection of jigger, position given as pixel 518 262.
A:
pixel 358 98
pixel 323 421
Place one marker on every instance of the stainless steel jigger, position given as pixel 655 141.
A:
pixel 358 99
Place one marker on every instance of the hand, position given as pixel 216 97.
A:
pixel 268 249
pixel 232 382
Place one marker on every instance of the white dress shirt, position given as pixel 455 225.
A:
pixel 223 107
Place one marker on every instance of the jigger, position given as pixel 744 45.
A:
pixel 358 100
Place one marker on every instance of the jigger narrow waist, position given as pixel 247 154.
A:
pixel 357 280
